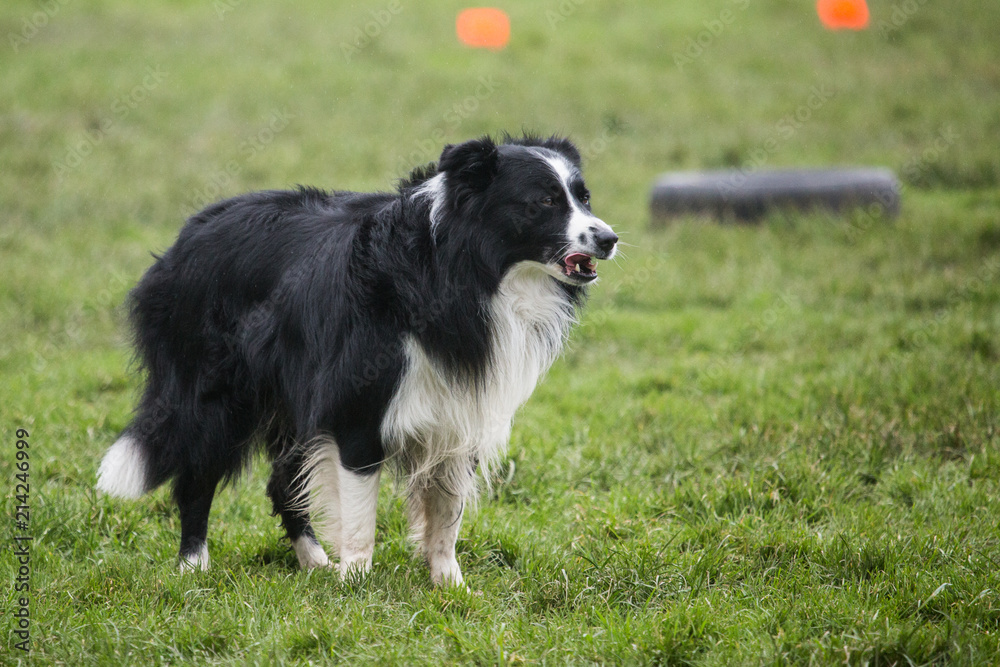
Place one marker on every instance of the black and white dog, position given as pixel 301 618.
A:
pixel 343 331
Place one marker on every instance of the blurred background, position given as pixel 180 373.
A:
pixel 148 106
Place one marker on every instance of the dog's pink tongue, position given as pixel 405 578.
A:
pixel 577 258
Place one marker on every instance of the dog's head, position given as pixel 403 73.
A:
pixel 523 200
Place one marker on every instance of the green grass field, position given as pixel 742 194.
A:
pixel 774 444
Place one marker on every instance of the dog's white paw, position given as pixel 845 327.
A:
pixel 446 572
pixel 196 561
pixel 351 568
pixel 310 553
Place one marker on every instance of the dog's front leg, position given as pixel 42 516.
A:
pixel 358 502
pixel 443 518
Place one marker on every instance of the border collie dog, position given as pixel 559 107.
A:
pixel 342 331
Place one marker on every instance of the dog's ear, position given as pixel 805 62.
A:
pixel 473 163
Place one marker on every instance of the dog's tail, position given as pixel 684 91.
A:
pixel 124 471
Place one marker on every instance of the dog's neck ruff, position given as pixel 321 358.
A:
pixel 433 190
pixel 437 421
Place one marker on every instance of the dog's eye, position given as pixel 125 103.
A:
pixel 547 201
pixel 585 198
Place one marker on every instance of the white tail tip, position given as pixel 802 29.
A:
pixel 123 469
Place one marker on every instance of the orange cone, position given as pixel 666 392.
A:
pixel 483 28
pixel 843 14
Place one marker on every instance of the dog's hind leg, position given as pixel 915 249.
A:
pixel 216 446
pixel 194 496
pixel 287 491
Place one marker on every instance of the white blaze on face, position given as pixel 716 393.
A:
pixel 581 220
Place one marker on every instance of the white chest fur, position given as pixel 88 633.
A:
pixel 435 421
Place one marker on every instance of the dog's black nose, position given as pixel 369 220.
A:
pixel 605 239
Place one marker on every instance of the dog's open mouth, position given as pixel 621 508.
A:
pixel 579 267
